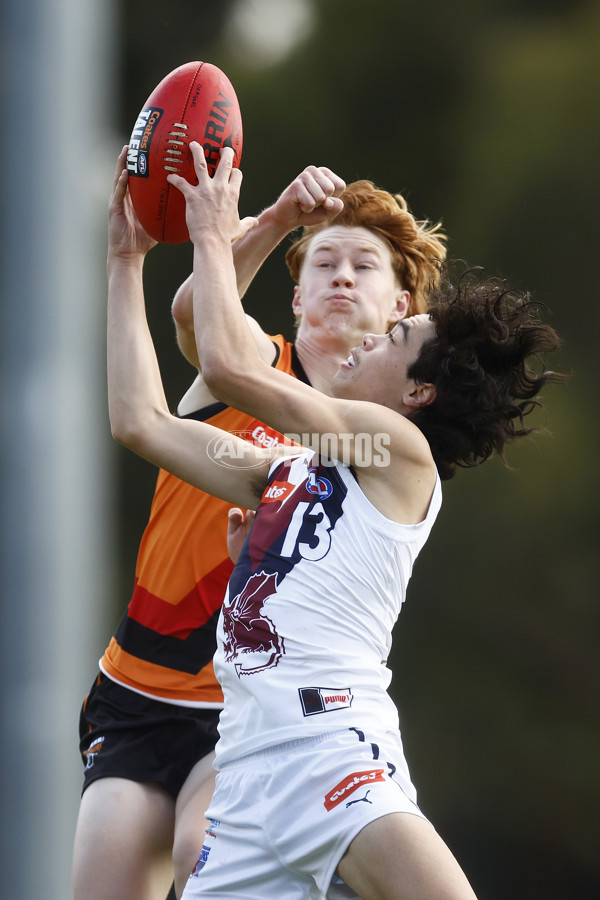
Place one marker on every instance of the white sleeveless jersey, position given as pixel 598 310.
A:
pixel 305 630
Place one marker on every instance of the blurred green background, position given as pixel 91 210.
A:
pixel 485 114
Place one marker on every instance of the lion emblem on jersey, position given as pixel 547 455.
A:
pixel 251 638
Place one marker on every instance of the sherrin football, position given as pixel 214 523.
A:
pixel 195 102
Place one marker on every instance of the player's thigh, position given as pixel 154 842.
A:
pixel 123 841
pixel 401 857
pixel 192 802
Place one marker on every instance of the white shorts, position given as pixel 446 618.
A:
pixel 281 819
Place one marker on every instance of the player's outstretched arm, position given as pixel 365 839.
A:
pixel 311 198
pixel 231 364
pixel 236 374
pixel 140 418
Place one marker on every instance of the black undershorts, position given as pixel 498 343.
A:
pixel 126 735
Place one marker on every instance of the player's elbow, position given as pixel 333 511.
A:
pixel 236 383
pixel 130 430
pixel 125 435
pixel 220 378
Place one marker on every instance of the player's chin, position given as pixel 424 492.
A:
pixel 341 380
pixel 343 323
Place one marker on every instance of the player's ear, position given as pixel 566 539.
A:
pixel 420 395
pixel 297 302
pixel 400 309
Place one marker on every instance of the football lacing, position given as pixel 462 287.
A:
pixel 172 153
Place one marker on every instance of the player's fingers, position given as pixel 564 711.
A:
pixel 313 185
pixel 226 162
pixel 334 205
pixel 235 517
pixel 308 193
pixel 235 178
pixel 121 158
pixel 322 184
pixel 199 158
pixel 328 186
pixel 120 188
pixel 120 165
pixel 331 183
pixel 180 183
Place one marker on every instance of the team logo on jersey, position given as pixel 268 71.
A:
pixel 296 529
pixel 92 752
pixel 350 784
pixel 317 484
pixel 251 639
pixel 317 700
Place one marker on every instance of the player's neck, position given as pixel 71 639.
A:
pixel 319 366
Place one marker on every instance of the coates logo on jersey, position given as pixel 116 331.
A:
pixel 251 639
pixel 350 784
pixel 263 436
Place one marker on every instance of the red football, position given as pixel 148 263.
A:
pixel 195 102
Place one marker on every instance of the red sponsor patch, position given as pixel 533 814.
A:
pixel 350 784
pixel 264 436
pixel 277 491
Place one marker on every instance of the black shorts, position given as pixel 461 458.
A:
pixel 126 735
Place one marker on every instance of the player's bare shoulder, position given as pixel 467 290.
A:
pixel 396 471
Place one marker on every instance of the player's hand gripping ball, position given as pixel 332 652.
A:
pixel 195 102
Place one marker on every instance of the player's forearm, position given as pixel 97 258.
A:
pixel 135 391
pixel 251 251
pixel 225 343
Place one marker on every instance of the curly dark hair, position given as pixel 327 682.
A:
pixel 485 363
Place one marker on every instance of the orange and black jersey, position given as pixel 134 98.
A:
pixel 164 645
